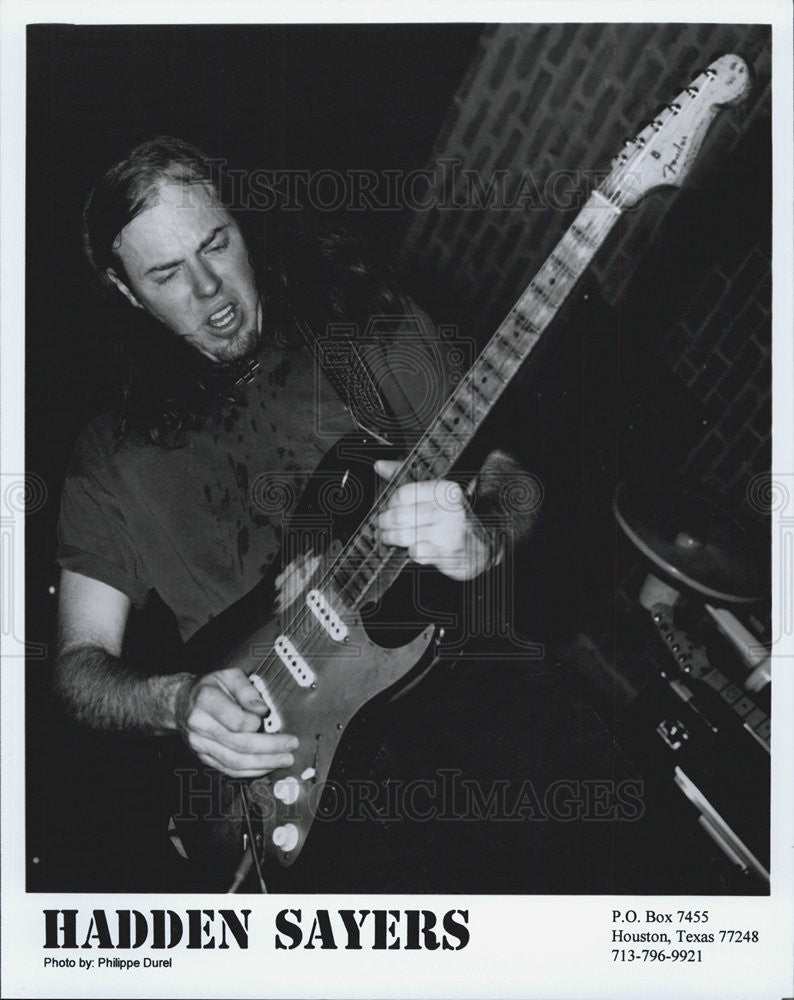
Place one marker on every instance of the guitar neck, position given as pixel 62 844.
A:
pixel 365 568
pixel 660 155
pixel 511 345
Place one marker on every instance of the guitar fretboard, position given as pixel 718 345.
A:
pixel 365 568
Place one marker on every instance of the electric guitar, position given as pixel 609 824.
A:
pixel 316 665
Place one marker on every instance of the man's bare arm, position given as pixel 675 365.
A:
pixel 101 693
pixel 91 678
pixel 218 715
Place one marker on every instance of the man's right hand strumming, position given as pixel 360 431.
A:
pixel 218 715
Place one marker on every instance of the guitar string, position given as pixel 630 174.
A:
pixel 596 234
pixel 281 678
pixel 521 315
pixel 632 161
pixel 521 320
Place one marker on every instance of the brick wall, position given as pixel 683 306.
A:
pixel 545 103
pixel 720 349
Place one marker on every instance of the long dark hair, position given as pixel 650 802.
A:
pixel 309 274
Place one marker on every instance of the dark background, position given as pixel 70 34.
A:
pixel 633 382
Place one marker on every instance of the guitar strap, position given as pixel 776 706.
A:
pixel 346 368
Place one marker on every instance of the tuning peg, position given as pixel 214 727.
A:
pixel 692 91
pixel 710 71
pixel 630 140
pixel 675 108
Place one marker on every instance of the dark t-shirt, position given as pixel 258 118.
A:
pixel 200 524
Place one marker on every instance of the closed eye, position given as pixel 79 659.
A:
pixel 217 247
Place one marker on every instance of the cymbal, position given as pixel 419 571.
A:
pixel 695 541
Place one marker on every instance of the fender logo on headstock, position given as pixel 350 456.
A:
pixel 669 169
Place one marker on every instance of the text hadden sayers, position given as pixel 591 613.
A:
pixel 322 929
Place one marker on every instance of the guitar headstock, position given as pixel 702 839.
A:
pixel 663 152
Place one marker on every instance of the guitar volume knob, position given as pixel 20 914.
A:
pixel 287 790
pixel 286 837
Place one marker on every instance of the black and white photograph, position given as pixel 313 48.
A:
pixel 402 542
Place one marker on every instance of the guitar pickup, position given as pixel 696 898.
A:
pixel 335 626
pixel 294 662
pixel 272 721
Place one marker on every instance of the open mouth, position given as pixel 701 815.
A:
pixel 224 319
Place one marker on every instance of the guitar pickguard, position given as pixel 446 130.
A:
pixel 348 675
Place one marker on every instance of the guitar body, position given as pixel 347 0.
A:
pixel 336 669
